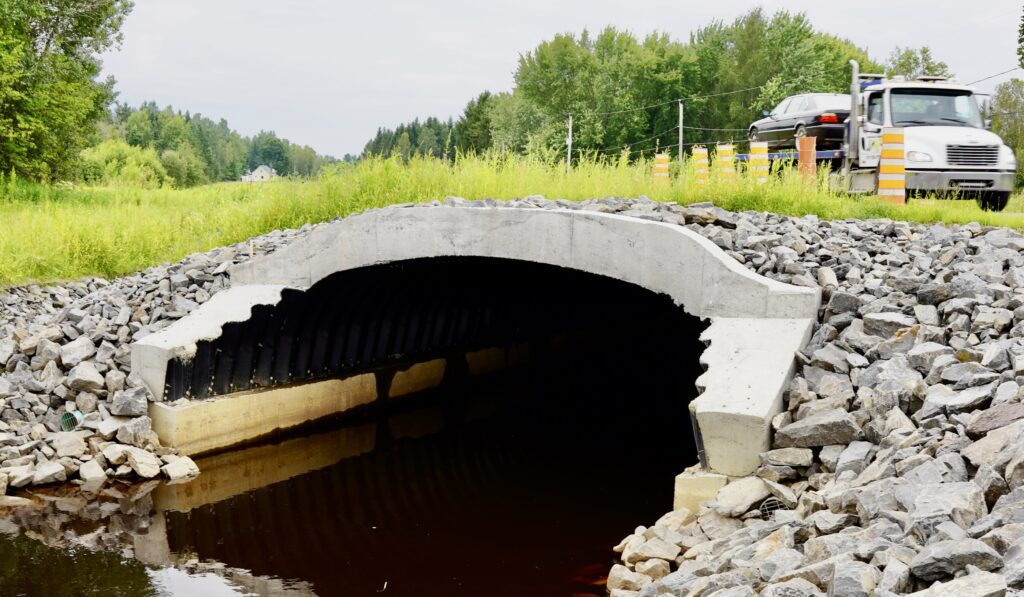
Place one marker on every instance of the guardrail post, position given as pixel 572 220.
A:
pixel 661 167
pixel 759 161
pixel 725 160
pixel 699 155
pixel 892 174
pixel 807 149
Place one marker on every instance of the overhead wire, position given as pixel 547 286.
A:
pixel 1005 72
pixel 665 103
pixel 628 145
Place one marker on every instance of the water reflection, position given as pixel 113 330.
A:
pixel 505 485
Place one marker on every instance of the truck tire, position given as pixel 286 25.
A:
pixel 994 200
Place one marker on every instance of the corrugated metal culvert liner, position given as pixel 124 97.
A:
pixel 410 311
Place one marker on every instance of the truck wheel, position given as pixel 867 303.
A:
pixel 752 136
pixel 994 200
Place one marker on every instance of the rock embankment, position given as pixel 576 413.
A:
pixel 898 464
pixel 65 357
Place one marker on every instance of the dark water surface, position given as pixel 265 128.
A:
pixel 518 483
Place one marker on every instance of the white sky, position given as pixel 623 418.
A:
pixel 328 73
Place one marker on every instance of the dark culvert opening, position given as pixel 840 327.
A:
pixel 515 482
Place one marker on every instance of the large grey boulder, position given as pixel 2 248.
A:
pixel 946 558
pixel 854 579
pixel 69 443
pixel 738 497
pixel 978 584
pixel 85 378
pixel 135 432
pixel 796 587
pixel 621 577
pixel 794 457
pixel 833 426
pixel 962 503
pixel 132 402
pixel 73 353
pixel 49 472
pixel 887 324
pixel 145 464
pixel 91 471
pixel 994 418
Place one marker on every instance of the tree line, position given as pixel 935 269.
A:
pixel 59 121
pixel 621 89
pixel 153 146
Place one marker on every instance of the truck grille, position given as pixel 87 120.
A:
pixel 972 155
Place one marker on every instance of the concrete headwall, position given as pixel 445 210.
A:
pixel 757 324
pixel 661 257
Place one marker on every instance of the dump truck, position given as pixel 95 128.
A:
pixel 948 151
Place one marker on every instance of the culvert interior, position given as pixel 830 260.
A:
pixel 514 482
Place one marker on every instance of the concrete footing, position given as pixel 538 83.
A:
pixel 208 425
pixel 695 485
pixel 203 426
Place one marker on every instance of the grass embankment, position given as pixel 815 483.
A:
pixel 52 233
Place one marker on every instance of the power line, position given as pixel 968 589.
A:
pixel 1005 72
pixel 624 110
pixel 697 128
pixel 693 97
pixel 625 145
pixel 665 103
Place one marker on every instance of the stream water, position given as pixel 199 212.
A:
pixel 517 483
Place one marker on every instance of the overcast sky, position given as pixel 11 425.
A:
pixel 328 73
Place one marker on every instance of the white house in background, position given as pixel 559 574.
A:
pixel 260 174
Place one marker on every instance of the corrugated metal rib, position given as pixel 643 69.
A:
pixel 402 312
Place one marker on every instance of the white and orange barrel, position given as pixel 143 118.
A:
pixel 759 161
pixel 661 167
pixel 892 173
pixel 700 164
pixel 725 160
pixel 807 151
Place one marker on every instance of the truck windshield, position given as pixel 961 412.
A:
pixel 923 107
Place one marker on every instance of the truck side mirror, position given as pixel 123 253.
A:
pixel 765 113
pixel 988 124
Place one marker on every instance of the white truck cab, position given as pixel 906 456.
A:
pixel 948 151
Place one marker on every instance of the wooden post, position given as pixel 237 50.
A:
pixel 700 164
pixel 568 147
pixel 892 174
pixel 661 167
pixel 759 161
pixel 807 148
pixel 680 131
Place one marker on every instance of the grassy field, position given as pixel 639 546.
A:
pixel 63 232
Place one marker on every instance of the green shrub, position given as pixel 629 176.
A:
pixel 114 162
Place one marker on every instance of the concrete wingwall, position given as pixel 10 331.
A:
pixel 757 324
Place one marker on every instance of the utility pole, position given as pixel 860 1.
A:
pixel 680 131
pixel 568 147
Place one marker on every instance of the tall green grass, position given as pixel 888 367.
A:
pixel 50 233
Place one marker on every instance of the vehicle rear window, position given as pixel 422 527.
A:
pixel 832 102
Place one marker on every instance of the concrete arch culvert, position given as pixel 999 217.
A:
pixel 756 324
